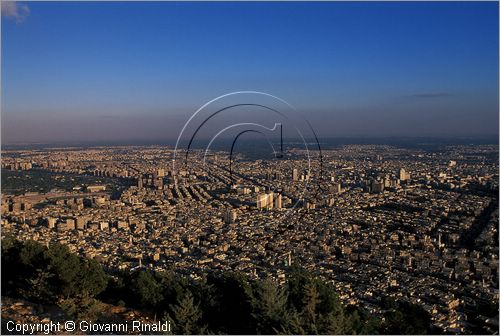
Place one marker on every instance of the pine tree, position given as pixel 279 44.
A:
pixel 311 301
pixel 269 309
pixel 186 316
pixel 147 290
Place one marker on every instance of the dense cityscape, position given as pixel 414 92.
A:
pixel 418 224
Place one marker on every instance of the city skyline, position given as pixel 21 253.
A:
pixel 138 71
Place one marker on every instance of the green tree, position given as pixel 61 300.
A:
pixel 32 254
pixel 231 313
pixel 92 278
pixel 319 308
pixel 147 290
pixel 173 288
pixel 40 288
pixel 17 271
pixel 186 316
pixel 360 322
pixel 405 318
pixel 66 269
pixel 269 308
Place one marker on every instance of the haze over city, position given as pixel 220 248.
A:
pixel 137 71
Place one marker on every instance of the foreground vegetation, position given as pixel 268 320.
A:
pixel 221 303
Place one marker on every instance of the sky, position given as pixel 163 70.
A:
pixel 105 71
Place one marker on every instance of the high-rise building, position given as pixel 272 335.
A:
pixel 403 176
pixel 278 203
pixel 160 172
pixel 229 216
pixel 266 201
pixel 261 201
pixel 270 200
pixel 295 174
pixel 377 186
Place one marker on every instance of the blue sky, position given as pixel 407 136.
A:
pixel 117 71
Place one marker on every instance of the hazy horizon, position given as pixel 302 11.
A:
pixel 105 72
